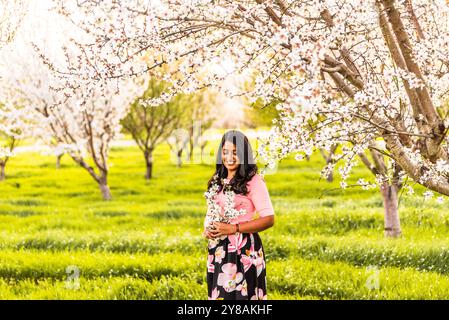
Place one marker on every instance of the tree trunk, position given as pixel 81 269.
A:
pixel 390 200
pixel 149 164
pixel 389 190
pixel 58 161
pixel 2 171
pixel 191 145
pixel 104 188
pixel 328 159
pixel 179 154
pixel 203 146
pixel 330 176
pixel 105 192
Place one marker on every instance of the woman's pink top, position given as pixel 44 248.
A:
pixel 256 200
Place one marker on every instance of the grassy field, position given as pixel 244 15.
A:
pixel 146 243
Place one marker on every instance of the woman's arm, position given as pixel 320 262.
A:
pixel 253 226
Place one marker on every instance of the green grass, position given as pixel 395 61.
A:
pixel 146 243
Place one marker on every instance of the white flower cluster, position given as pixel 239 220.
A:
pixel 413 81
pixel 366 185
pixel 214 210
pixel 6 152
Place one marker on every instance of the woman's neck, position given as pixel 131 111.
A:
pixel 231 175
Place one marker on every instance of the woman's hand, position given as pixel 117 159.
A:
pixel 222 229
pixel 207 234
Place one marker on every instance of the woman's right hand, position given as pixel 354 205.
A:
pixel 207 234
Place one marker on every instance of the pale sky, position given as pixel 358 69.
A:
pixel 43 27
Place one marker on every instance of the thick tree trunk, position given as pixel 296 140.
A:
pixel 390 200
pixel 2 171
pixel 58 161
pixel 149 164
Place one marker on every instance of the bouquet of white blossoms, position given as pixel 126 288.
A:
pixel 214 212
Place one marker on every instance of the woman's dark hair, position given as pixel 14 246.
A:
pixel 247 167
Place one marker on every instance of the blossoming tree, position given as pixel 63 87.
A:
pixel 369 75
pixel 15 125
pixel 83 125
pixel 150 126
pixel 12 12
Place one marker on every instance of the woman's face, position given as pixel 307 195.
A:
pixel 229 156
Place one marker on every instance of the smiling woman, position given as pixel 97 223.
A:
pixel 236 261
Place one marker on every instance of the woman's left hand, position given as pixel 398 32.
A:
pixel 222 229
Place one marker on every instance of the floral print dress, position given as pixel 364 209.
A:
pixel 236 267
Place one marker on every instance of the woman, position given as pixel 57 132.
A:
pixel 236 260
